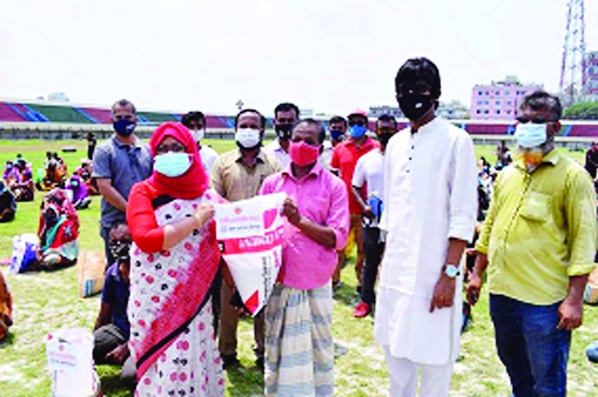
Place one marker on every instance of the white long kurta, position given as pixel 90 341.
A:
pixel 431 196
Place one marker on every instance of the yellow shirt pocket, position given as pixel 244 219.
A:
pixel 537 207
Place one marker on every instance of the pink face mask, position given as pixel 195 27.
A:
pixel 303 154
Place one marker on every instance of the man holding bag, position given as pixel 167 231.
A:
pixel 299 311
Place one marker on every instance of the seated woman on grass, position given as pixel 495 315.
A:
pixel 8 205
pixel 79 194
pixel 85 172
pixel 54 177
pixel 57 239
pixel 5 308
pixel 22 186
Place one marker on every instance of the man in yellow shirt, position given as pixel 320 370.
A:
pixel 538 243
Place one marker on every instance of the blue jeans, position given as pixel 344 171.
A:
pixel 533 350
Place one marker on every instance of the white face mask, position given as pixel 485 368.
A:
pixel 530 135
pixel 248 137
pixel 198 135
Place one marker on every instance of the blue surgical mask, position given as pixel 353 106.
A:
pixel 336 134
pixel 172 164
pixel 357 131
pixel 530 135
pixel 124 127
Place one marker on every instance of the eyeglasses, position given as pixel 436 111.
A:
pixel 534 120
pixel 388 130
pixel 175 148
pixel 356 122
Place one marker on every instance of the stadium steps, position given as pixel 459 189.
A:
pixel 7 113
pixel 102 116
pixel 60 114
pixel 86 115
pixel 155 117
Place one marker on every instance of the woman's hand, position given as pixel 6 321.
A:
pixel 204 213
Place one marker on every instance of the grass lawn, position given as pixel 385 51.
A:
pixel 47 301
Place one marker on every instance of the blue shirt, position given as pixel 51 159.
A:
pixel 124 165
pixel 116 294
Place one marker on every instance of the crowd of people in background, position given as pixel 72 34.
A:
pixel 415 205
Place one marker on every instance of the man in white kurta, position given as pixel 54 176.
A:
pixel 430 203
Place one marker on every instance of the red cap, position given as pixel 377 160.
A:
pixel 358 112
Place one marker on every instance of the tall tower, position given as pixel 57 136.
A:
pixel 573 71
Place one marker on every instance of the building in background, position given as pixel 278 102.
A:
pixel 499 100
pixel 592 75
pixel 448 110
pixel 453 110
pixel 58 97
pixel 377 111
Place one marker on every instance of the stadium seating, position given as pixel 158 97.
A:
pixel 60 114
pixel 7 113
pixel 101 116
pixel 156 118
pixel 67 113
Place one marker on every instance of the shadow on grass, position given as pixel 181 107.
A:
pixel 245 382
pixel 8 340
pixel 111 384
pixel 347 295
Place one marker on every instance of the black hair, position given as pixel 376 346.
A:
pixel 196 116
pixel 314 122
pixel 387 118
pixel 117 225
pixel 123 103
pixel 541 100
pixel 286 107
pixel 418 73
pixel 242 112
pixel 338 119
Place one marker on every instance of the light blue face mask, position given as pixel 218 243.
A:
pixel 530 135
pixel 172 164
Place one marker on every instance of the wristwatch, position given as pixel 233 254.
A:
pixel 451 271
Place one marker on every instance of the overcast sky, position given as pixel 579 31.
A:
pixel 327 55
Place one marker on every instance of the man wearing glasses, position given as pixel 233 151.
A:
pixel 430 211
pixel 368 182
pixel 344 159
pixel 118 164
pixel 538 244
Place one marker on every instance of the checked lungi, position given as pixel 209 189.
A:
pixel 299 348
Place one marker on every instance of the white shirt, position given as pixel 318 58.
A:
pixel 430 196
pixel 326 155
pixel 277 151
pixel 369 170
pixel 208 157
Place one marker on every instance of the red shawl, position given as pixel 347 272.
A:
pixel 192 183
pixel 193 263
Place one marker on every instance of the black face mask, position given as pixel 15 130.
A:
pixel 414 106
pixel 50 218
pixel 283 131
pixel 384 138
pixel 120 250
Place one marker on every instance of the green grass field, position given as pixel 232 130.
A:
pixel 47 301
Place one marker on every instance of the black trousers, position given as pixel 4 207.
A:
pixel 373 249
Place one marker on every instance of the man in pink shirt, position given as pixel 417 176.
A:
pixel 299 311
